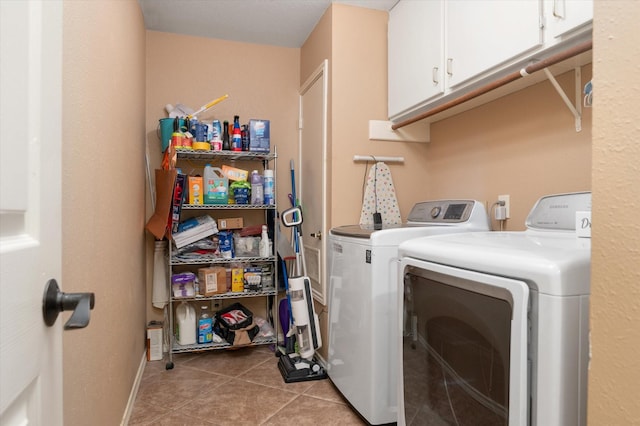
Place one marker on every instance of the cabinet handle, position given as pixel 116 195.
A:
pixel 435 76
pixel 449 66
pixel 558 9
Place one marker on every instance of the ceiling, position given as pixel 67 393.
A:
pixel 285 23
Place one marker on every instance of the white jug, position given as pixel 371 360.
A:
pixel 186 317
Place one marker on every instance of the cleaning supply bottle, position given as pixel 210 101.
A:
pixel 236 137
pixel 264 243
pixel 268 187
pixel 245 137
pixel 205 326
pixel 216 138
pixel 216 185
pixel 226 146
pixel 257 194
pixel 186 330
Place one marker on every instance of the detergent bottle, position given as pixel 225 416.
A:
pixel 268 187
pixel 257 189
pixel 216 186
pixel 205 326
pixel 186 317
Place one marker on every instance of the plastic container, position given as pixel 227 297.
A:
pixel 205 325
pixel 186 319
pixel 257 190
pixel 216 186
pixel 268 186
pixel 264 243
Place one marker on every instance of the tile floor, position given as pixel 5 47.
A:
pixel 234 387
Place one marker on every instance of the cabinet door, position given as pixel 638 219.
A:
pixel 482 34
pixel 562 16
pixel 415 53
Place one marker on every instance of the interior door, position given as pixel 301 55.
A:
pixel 312 176
pixel 30 227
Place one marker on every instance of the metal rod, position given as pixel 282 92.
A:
pixel 376 158
pixel 554 59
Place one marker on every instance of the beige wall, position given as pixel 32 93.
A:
pixel 103 204
pixel 524 145
pixel 261 81
pixel 614 377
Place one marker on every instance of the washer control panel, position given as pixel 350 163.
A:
pixel 442 211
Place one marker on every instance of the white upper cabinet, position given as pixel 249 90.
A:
pixel 441 49
pixel 565 16
pixel 483 34
pixel 415 59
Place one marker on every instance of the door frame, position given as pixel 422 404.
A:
pixel 322 72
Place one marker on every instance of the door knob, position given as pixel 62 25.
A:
pixel 54 301
pixel 317 235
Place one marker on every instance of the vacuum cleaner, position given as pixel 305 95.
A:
pixel 301 365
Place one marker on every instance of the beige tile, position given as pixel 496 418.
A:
pixel 268 374
pixel 230 363
pixel 325 389
pixel 179 418
pixel 239 402
pixel 145 413
pixel 307 410
pixel 174 388
pixel 234 387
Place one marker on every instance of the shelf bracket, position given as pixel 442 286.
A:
pixel 381 130
pixel 577 110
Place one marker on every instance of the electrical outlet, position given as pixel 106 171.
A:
pixel 506 199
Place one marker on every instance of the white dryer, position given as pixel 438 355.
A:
pixel 362 269
pixel 496 324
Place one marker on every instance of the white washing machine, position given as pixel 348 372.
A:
pixel 363 268
pixel 496 324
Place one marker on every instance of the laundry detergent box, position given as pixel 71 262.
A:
pixel 196 190
pixel 259 135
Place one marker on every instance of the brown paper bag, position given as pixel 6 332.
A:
pixel 157 224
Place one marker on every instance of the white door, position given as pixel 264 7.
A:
pixel 30 228
pixel 312 176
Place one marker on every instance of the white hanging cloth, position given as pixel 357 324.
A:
pixel 380 196
pixel 160 290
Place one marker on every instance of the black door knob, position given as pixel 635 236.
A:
pixel 54 301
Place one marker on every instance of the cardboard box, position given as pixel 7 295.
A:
pixel 178 198
pixel 196 190
pixel 237 280
pixel 253 278
pixel 154 341
pixel 234 173
pixel 230 223
pixel 259 135
pixel 212 280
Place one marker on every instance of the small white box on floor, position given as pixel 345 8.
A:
pixel 154 341
pixel 583 224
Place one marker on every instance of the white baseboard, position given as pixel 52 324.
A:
pixel 134 390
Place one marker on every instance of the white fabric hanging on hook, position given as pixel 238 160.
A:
pixel 380 196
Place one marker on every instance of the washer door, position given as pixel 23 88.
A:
pixel 464 347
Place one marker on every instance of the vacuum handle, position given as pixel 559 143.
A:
pixel 292 217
